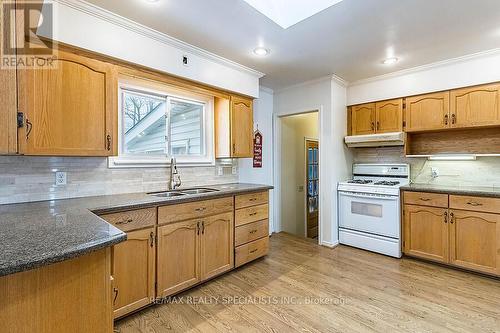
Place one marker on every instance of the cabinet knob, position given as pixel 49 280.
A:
pixel 446 119
pixel 452 216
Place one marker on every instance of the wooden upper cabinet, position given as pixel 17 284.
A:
pixel 475 241
pixel 241 127
pixel 426 232
pixel 233 127
pixel 363 119
pixel 70 108
pixel 178 262
pixel 134 272
pixel 389 115
pixel 8 111
pixel 217 245
pixel 428 112
pixel 475 106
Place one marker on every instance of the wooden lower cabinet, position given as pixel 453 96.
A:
pixel 134 272
pixel 475 241
pixel 178 261
pixel 459 237
pixel 216 245
pixel 426 232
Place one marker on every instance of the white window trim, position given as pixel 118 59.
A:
pixel 130 161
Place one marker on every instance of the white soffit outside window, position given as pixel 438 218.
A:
pixel 286 13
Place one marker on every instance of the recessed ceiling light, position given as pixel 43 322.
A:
pixel 390 61
pixel 261 51
pixel 152 0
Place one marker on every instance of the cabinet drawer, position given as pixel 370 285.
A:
pixel 194 210
pixel 251 251
pixel 251 231
pixel 478 204
pixel 426 199
pixel 251 199
pixel 133 219
pixel 251 214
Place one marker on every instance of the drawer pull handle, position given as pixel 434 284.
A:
pixel 253 251
pixel 125 221
pixel 452 216
pixel 475 204
pixel 201 209
pixel 253 214
pixel 425 199
pixel 253 231
pixel 253 199
pixel 445 217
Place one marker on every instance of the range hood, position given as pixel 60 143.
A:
pixel 376 140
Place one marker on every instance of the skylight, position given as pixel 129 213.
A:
pixel 286 13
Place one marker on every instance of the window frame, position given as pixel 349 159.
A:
pixel 158 89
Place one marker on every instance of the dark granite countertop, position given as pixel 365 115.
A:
pixel 40 233
pixel 458 190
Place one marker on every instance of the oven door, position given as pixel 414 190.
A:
pixel 372 213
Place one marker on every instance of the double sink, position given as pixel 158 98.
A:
pixel 178 193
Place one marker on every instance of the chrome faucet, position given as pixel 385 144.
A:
pixel 175 178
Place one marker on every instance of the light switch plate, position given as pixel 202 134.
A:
pixel 61 178
pixel 220 171
pixel 234 170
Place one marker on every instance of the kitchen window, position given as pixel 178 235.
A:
pixel 157 124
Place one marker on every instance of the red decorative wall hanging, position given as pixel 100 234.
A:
pixel 257 149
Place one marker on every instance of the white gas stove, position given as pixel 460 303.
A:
pixel 369 207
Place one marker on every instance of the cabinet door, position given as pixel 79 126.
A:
pixel 217 245
pixel 178 257
pixel 476 106
pixel 8 111
pixel 475 241
pixel 426 232
pixel 134 272
pixel 241 127
pixel 363 119
pixel 70 107
pixel 389 115
pixel 428 112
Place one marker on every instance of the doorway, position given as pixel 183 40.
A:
pixel 299 189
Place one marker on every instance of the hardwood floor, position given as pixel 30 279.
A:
pixel 360 292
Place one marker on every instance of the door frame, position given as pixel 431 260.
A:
pixel 277 227
pixel 305 179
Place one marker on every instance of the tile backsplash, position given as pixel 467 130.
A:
pixel 484 172
pixel 24 179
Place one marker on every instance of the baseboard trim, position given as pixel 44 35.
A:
pixel 330 245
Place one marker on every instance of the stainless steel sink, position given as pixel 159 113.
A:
pixel 168 194
pixel 178 193
pixel 199 190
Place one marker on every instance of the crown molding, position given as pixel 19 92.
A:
pixel 123 22
pixel 305 83
pixel 422 68
pixel 339 80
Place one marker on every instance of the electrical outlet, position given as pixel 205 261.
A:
pixel 220 171
pixel 61 178
pixel 434 172
pixel 300 188
pixel 234 170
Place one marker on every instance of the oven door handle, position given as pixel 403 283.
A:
pixel 363 196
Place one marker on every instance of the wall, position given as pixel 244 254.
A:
pixel 327 95
pixel 454 73
pixel 25 179
pixel 263 119
pixel 484 172
pixel 294 130
pixel 115 36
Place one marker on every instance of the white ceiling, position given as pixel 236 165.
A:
pixel 349 39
